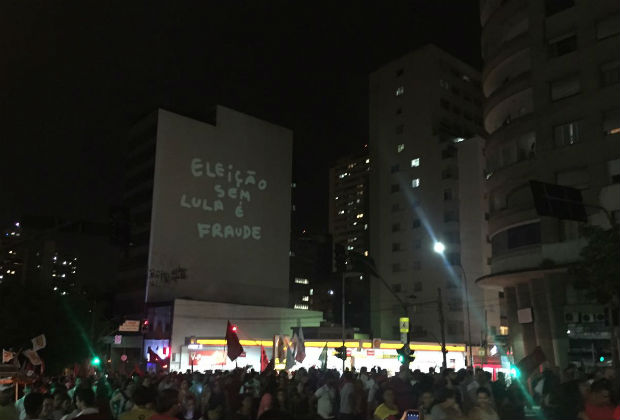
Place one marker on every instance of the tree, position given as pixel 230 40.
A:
pixel 598 272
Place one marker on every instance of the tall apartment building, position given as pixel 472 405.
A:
pixel 550 81
pixel 348 225
pixel 426 154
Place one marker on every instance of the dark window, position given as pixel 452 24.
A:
pixel 563 46
pixel 416 223
pixel 396 268
pixel 417 244
pixel 500 295
pixel 556 6
pixel 447 194
pixel 396 227
pixel 515 237
pixel 396 207
pixel 396 287
pixel 417 286
pixel 455 91
pixel 396 246
pixel 567 134
pixel 400 128
pixel 449 152
pixel 607 27
pixel 399 72
pixel 395 188
pixel 394 168
pixel 456 110
pixel 417 265
pixel 399 111
pixel 564 88
pixel 444 103
pixel 610 73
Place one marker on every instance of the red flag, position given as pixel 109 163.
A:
pixel 233 347
pixel 532 361
pixel 264 360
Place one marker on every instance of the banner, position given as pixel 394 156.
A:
pixel 264 361
pixel 233 347
pixel 33 357
pixel 39 342
pixel 323 357
pixel 300 348
pixel 7 356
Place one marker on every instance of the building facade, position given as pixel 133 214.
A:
pixel 550 81
pixel 422 107
pixel 348 225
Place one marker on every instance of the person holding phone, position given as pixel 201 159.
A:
pixel 388 410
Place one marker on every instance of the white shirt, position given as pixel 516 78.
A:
pixel 346 398
pixel 325 402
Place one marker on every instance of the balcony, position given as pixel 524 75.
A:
pixel 504 16
pixel 512 107
pixel 509 48
pixel 509 87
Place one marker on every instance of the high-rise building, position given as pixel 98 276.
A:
pixel 348 225
pixel 207 203
pixel 550 80
pixel 425 115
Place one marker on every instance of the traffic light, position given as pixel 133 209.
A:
pixel 145 326
pixel 601 359
pixel 341 352
pixel 95 361
pixel 405 354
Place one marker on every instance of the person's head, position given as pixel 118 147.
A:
pixel 247 403
pixel 501 377
pixel 61 400
pixel 600 392
pixel 447 397
pixel 33 405
pixel 5 394
pixel 185 385
pixel 281 397
pixel 427 399
pixel 48 405
pixel 142 396
pixel 84 398
pixel 388 396
pixel 167 402
pixel 483 396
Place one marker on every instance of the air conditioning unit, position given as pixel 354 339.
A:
pixel 571 317
pixel 599 317
pixel 587 317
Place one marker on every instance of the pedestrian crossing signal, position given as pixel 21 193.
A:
pixel 405 354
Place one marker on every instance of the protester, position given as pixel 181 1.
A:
pixel 447 408
pixel 599 405
pixel 388 410
pixel 7 407
pixel 48 407
pixel 167 405
pixel 33 405
pixel 142 405
pixel 426 404
pixel 326 399
pixel 483 410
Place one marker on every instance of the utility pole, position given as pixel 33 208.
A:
pixel 442 328
pixel 343 314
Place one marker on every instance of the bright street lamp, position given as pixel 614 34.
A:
pixel 439 248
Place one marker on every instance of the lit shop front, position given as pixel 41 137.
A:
pixel 210 354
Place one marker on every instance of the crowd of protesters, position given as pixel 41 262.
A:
pixel 316 394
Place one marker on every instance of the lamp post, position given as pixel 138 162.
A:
pixel 439 248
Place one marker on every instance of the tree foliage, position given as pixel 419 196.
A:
pixel 598 271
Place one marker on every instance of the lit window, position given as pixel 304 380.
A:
pixel 360 215
pixel 400 90
pixel 365 226
pixel 300 280
pixel 365 253
pixel 336 198
pixel 350 248
pixel 400 148
pixel 305 298
pixel 367 160
pixel 311 292
pixel 342 175
pixel 330 292
pixel 415 183
pixel 458 139
pixel 415 162
pixel 503 330
pixel 301 306
pixel 341 212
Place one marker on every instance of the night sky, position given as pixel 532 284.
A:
pixel 76 75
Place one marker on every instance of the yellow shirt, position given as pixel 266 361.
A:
pixel 383 412
pixel 136 413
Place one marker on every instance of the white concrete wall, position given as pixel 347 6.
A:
pixel 208 320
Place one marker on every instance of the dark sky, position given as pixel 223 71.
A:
pixel 76 75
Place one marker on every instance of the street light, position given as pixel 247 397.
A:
pixel 439 248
